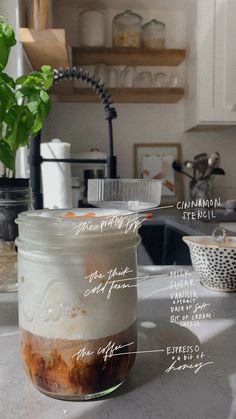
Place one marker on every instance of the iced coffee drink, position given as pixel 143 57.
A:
pixel 77 300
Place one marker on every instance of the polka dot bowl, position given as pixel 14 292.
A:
pixel 214 262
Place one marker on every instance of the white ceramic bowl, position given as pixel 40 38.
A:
pixel 214 262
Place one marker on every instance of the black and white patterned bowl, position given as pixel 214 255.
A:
pixel 214 262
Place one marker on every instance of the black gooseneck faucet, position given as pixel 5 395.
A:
pixel 35 158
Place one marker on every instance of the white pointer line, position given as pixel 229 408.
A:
pixel 132 279
pixel 164 207
pixel 142 211
pixel 109 281
pixel 138 352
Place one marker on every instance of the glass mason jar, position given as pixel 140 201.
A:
pixel 126 30
pixel 14 198
pixel 153 34
pixel 77 300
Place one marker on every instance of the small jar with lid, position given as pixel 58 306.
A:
pixel 153 34
pixel 126 30
pixel 91 29
pixel 15 197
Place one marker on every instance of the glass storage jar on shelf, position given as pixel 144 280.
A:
pixel 77 299
pixel 91 28
pixel 153 34
pixel 15 197
pixel 144 79
pixel 101 72
pixel 128 76
pixel 126 30
pixel 160 79
pixel 114 77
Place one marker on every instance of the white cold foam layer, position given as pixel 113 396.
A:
pixel 38 226
pixel 60 214
pixel 52 302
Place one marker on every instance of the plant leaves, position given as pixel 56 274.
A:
pixel 44 96
pixel 24 103
pixel 7 31
pixel 38 103
pixel 28 93
pixel 4 53
pixel 6 155
pixel 7 80
pixel 7 40
pixel 42 80
pixel 20 80
pixel 33 107
pixel 25 121
pixel 45 103
pixel 38 125
pixel 7 99
pixel 33 79
pixel 48 76
pixel 47 69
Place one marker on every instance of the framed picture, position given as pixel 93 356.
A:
pixel 154 161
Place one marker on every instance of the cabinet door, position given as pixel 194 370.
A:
pixel 217 61
pixel 10 9
pixel 210 49
pixel 229 60
pixel 212 68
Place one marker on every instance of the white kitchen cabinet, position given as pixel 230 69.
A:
pixel 211 63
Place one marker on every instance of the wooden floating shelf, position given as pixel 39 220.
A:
pixel 127 56
pixel 124 95
pixel 49 46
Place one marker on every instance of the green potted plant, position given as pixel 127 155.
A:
pixel 24 106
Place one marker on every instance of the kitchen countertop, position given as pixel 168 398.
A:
pixel 174 218
pixel 154 389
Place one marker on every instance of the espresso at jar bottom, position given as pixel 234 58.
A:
pixel 69 368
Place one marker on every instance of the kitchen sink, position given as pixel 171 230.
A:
pixel 162 245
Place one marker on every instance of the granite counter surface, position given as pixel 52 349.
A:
pixel 155 388
pixel 175 218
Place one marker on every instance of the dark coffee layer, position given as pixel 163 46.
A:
pixel 78 367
